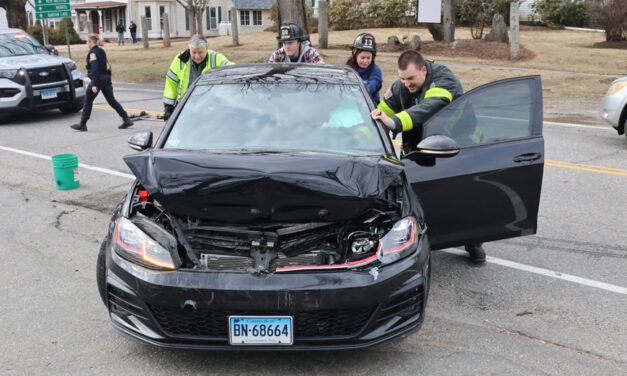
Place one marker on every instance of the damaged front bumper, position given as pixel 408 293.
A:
pixel 331 310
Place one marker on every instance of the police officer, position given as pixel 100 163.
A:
pixel 423 88
pixel 186 68
pixel 296 48
pixel 100 81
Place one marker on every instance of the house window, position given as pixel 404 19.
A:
pixel 107 19
pixel 257 17
pixel 211 18
pixel 229 15
pixel 161 11
pixel 244 17
pixel 148 17
pixel 186 20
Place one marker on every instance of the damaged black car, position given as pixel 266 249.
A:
pixel 273 213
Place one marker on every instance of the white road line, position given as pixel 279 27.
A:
pixel 81 165
pixel 546 272
pixel 608 128
pixel 494 260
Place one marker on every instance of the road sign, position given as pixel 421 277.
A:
pixel 52 9
pixel 60 14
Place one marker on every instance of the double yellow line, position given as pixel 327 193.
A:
pixel 585 167
pixel 132 110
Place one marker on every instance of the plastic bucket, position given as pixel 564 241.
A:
pixel 65 168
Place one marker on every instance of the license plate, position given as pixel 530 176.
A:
pixel 261 330
pixel 48 94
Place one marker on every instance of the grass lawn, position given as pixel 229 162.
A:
pixel 556 50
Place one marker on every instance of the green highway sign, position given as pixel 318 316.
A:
pixel 52 7
pixel 56 14
pixel 46 2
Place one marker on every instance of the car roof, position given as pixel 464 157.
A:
pixel 11 31
pixel 280 73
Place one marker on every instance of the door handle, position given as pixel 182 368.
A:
pixel 529 157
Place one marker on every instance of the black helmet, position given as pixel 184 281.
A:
pixel 290 31
pixel 364 42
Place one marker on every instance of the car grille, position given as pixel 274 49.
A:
pixel 310 324
pixel 46 75
pixel 406 304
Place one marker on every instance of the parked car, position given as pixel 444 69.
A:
pixel 614 105
pixel 32 77
pixel 273 211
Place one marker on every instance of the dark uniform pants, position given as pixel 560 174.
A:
pixel 107 90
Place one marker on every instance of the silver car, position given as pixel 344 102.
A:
pixel 32 79
pixel 614 105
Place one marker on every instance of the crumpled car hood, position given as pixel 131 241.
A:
pixel 273 187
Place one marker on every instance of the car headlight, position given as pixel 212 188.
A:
pixel 133 244
pixel 616 86
pixel 8 73
pixel 399 242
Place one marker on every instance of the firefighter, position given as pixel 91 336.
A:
pixel 186 68
pixel 364 50
pixel 100 77
pixel 296 47
pixel 423 88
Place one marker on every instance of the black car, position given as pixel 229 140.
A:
pixel 272 211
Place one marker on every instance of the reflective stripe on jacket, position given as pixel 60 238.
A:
pixel 176 80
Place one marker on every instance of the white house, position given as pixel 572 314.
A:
pixel 526 13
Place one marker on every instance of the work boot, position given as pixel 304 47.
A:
pixel 126 123
pixel 475 252
pixel 82 126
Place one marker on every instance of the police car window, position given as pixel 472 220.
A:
pixel 16 44
pixel 285 117
pixel 492 114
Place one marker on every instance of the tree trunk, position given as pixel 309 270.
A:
pixel 292 11
pixel 192 20
pixel 199 13
pixel 448 19
pixel 16 13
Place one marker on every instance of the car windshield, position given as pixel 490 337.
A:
pixel 17 44
pixel 260 117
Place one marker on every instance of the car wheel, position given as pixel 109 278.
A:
pixel 101 272
pixel 71 109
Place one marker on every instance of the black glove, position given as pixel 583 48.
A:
pixel 167 111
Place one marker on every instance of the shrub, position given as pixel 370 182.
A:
pixel 562 12
pixel 347 15
pixel 389 13
pixel 36 31
pixel 57 36
pixel 611 15
pixel 479 13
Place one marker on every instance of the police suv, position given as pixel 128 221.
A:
pixel 33 79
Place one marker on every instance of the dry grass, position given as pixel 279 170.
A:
pixel 556 50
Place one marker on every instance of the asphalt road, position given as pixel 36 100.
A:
pixel 492 319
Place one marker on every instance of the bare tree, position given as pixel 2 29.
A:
pixel 16 13
pixel 292 11
pixel 195 9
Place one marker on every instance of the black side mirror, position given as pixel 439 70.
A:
pixel 51 50
pixel 141 140
pixel 436 146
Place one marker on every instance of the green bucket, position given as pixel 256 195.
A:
pixel 65 168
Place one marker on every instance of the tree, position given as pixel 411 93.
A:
pixel 292 11
pixel 195 9
pixel 16 13
pixel 611 15
pixel 448 19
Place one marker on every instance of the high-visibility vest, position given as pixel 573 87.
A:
pixel 176 80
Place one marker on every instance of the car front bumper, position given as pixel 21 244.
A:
pixel 612 106
pixel 331 310
pixel 26 97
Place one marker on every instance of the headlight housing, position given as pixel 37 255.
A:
pixel 616 86
pixel 135 245
pixel 400 241
pixel 8 73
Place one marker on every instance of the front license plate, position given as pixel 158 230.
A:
pixel 48 94
pixel 261 330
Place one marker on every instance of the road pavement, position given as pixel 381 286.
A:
pixel 490 319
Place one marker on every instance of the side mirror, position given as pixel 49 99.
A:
pixel 141 140
pixel 436 146
pixel 51 50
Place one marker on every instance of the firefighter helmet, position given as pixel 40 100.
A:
pixel 290 31
pixel 364 42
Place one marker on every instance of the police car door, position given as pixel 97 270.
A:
pixel 491 189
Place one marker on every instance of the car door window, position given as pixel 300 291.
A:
pixel 488 114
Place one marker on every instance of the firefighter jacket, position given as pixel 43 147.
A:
pixel 177 78
pixel 410 110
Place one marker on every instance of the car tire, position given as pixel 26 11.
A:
pixel 71 109
pixel 101 272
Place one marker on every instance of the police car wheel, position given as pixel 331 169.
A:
pixel 71 109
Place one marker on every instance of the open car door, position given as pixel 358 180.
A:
pixel 491 189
